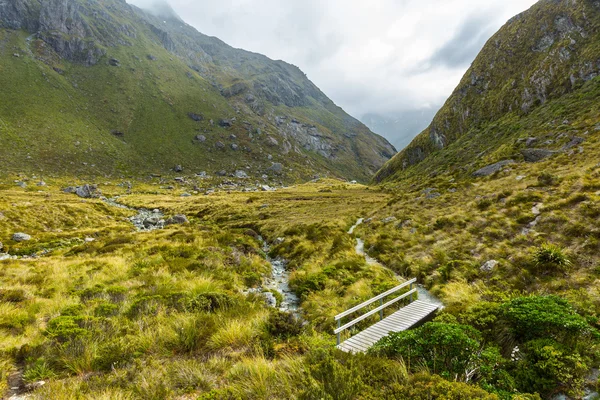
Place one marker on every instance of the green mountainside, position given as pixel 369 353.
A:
pixel 536 77
pixel 102 87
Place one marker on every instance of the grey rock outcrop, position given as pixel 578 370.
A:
pixel 21 237
pixel 87 191
pixel 276 168
pixel 178 219
pixel 492 169
pixel 535 155
pixel 489 266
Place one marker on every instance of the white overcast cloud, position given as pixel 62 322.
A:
pixel 375 56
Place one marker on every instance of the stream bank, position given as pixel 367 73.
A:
pixel 424 294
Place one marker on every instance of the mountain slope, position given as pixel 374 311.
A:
pixel 510 93
pixel 102 87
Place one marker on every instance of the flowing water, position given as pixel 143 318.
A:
pixel 424 294
pixel 144 220
pixel 278 281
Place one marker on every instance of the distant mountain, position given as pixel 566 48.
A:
pixel 400 128
pixel 102 87
pixel 536 78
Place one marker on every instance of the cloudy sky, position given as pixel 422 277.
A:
pixel 376 56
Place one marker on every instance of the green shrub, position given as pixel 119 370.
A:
pixel 446 349
pixel 430 387
pixel 106 310
pixel 547 365
pixel 283 325
pixel 551 258
pixel 534 317
pixel 65 328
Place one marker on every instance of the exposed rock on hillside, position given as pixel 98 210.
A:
pixel 162 83
pixel 540 55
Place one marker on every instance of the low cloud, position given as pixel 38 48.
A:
pixel 381 56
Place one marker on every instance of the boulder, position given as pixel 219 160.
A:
pixel 388 220
pixel 234 147
pixel 530 141
pixel 276 168
pixel 117 133
pixel 535 155
pixel 576 141
pixel 179 219
pixel 220 145
pixel 241 174
pixel 196 117
pixel 270 299
pixel 178 168
pixel 87 191
pixel 221 173
pixel 200 138
pixel 492 169
pixel 225 123
pixel 150 222
pixel 489 266
pixel 114 62
pixel 271 141
pixel 21 237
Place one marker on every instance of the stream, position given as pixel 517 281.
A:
pixel 279 281
pixel 424 294
pixel 144 220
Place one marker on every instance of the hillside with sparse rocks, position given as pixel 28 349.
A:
pixel 104 88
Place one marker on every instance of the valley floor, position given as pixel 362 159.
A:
pixel 91 307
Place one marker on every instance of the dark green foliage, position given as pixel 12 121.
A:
pixel 65 328
pixel 432 387
pixel 446 349
pixel 535 317
pixel 546 365
pixel 283 325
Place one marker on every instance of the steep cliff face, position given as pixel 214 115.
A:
pixel 133 79
pixel 545 53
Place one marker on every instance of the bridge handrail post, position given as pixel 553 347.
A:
pixel 339 323
pixel 381 312
pixel 411 296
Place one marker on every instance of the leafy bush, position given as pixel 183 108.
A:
pixel 534 317
pixel 283 324
pixel 65 328
pixel 446 349
pixel 429 387
pixel 547 365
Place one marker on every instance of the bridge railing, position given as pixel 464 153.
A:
pixel 379 309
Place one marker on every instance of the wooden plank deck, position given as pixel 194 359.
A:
pixel 401 320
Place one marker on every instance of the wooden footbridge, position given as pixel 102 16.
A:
pixel 407 317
